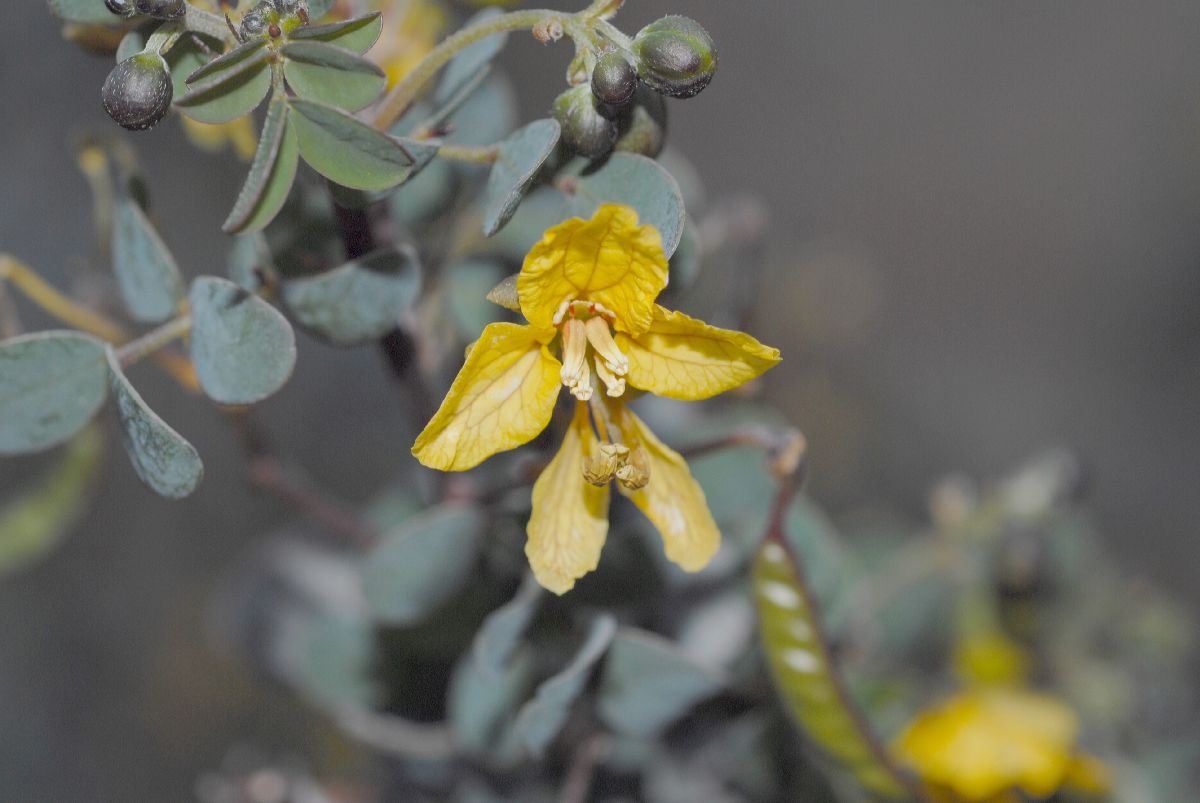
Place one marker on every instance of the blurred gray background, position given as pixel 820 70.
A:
pixel 984 242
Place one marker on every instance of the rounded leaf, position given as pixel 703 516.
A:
pixel 648 683
pixel 51 384
pixel 243 348
pixel 633 180
pixel 147 276
pixel 162 458
pixel 422 563
pixel 521 157
pixel 359 301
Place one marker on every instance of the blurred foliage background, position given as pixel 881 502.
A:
pixel 980 242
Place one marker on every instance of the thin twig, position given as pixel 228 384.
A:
pixel 270 474
pixel 582 771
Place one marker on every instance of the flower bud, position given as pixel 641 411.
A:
pixel 614 80
pixel 122 8
pixel 635 474
pixel 253 24
pixel 601 469
pixel 584 129
pixel 161 9
pixel 137 93
pixel 675 56
pixel 643 125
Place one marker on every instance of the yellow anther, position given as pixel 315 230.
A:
pixel 600 336
pixel 614 384
pixel 635 474
pixel 601 469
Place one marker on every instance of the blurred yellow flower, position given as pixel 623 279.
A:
pixel 982 745
pixel 237 134
pixel 588 290
pixel 412 28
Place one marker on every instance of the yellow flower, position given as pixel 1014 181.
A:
pixel 981 745
pixel 588 291
pixel 238 134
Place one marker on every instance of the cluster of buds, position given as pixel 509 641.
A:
pixel 621 107
pixel 616 461
pixel 273 18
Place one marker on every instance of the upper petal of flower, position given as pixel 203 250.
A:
pixel 570 515
pixel 683 358
pixel 503 397
pixel 672 499
pixel 609 259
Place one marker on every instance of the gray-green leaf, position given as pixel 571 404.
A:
pixel 86 11
pixel 147 276
pixel 350 152
pixel 51 384
pixel 470 60
pixel 358 34
pixel 500 634
pixel 479 702
pixel 520 158
pixel 229 86
pixel 162 458
pixel 422 563
pixel 541 719
pixel 635 180
pixel 359 301
pixel 332 75
pixel 35 522
pixel 271 174
pixel 647 684
pixel 243 348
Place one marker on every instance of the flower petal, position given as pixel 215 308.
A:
pixel 683 358
pixel 570 515
pixel 609 259
pixel 503 397
pixel 672 500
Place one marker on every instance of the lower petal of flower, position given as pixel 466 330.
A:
pixel 672 499
pixel 569 521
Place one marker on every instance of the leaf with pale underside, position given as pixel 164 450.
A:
pixel 541 719
pixel 271 174
pixel 358 34
pixel 147 275
pixel 520 158
pixel 469 61
pixel 51 385
pixel 162 458
pixel 647 684
pixel 422 563
pixel 360 301
pixel 633 180
pixel 243 348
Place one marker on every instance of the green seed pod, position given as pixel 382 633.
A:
pixel 675 56
pixel 137 93
pixel 584 129
pixel 122 8
pixel 643 125
pixel 161 9
pixel 614 80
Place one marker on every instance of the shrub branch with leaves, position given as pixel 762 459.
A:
pixel 751 656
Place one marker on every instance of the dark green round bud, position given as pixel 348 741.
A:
pixel 161 9
pixel 584 129
pixel 137 93
pixel 675 56
pixel 614 80
pixel 643 126
pixel 122 8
